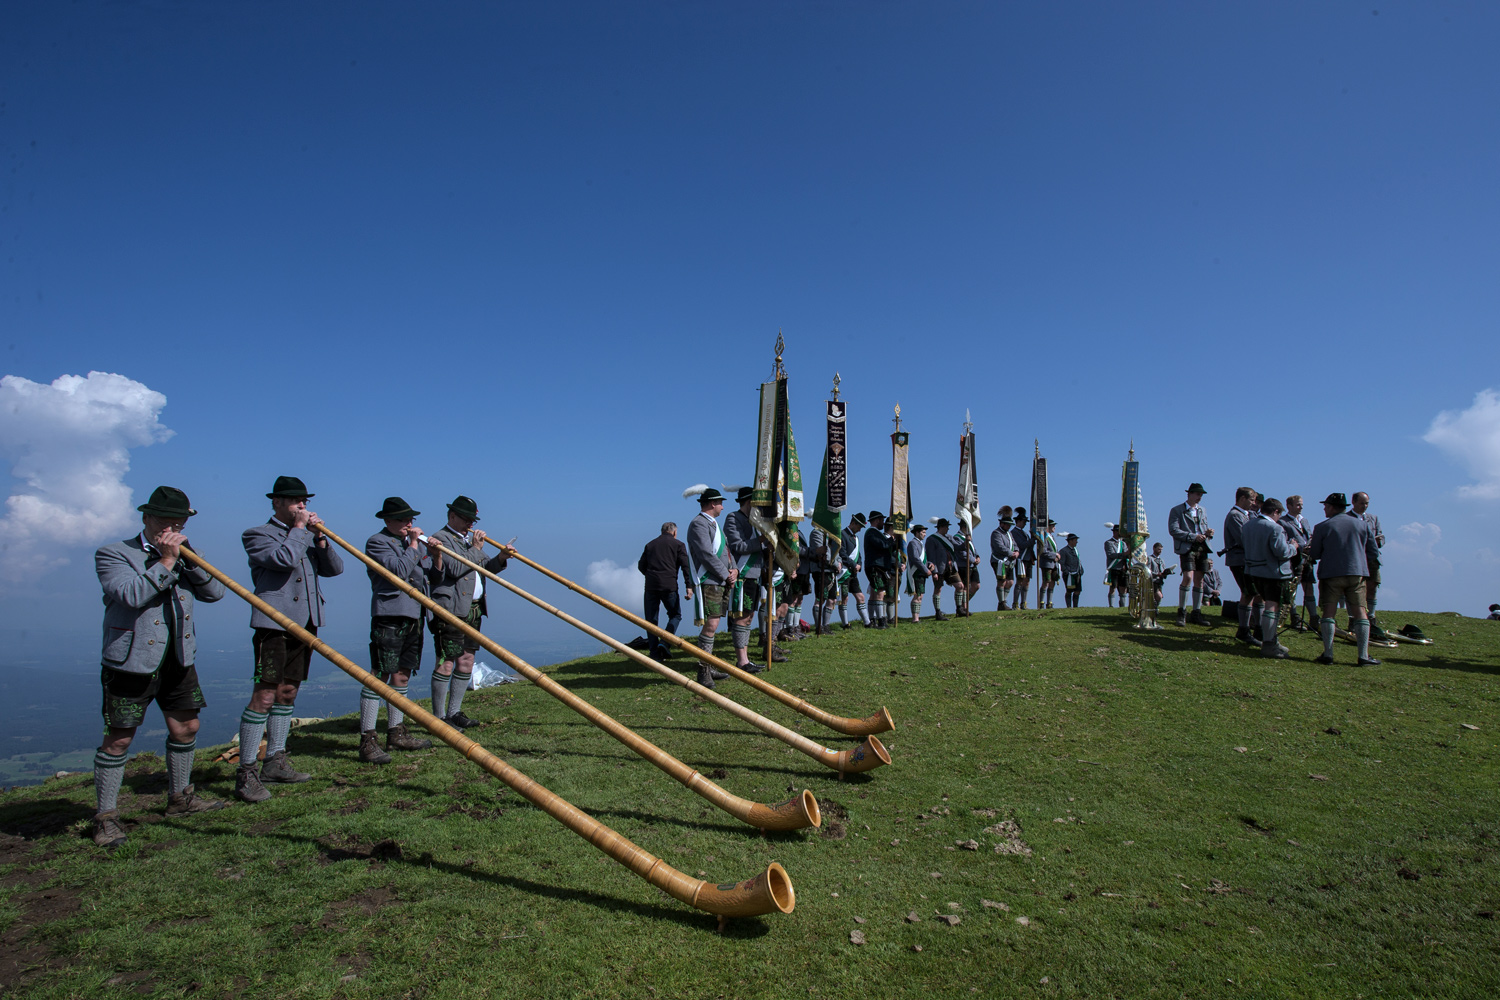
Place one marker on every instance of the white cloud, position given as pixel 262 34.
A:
pixel 1472 438
pixel 69 443
pixel 622 584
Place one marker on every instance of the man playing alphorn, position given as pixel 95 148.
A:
pixel 286 560
pixel 395 627
pixel 460 590
pixel 149 647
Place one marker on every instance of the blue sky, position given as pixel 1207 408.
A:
pixel 539 254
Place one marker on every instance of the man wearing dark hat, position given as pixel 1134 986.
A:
pixel 1359 506
pixel 882 555
pixel 459 590
pixel 1268 568
pixel 286 559
pixel 1025 557
pixel 663 558
pixel 941 553
pixel 1072 571
pixel 851 554
pixel 919 570
pixel 1003 553
pixel 713 570
pixel 747 548
pixel 966 562
pixel 1344 549
pixel 149 647
pixel 1188 526
pixel 1246 503
pixel 829 563
pixel 395 626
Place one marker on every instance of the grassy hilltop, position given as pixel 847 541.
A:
pixel 1200 822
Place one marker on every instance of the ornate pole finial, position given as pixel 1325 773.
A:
pixel 1132 451
pixel 897 421
pixel 778 371
pixel 968 421
pixel 1038 444
pixel 836 381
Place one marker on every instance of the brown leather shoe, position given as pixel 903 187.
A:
pixel 109 832
pixel 189 801
pixel 397 738
pixel 247 786
pixel 369 749
pixel 278 768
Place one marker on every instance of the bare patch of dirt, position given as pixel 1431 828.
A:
pixel 835 820
pixel 473 812
pixel 358 805
pixel 155 926
pixel 405 805
pixel 717 774
pixel 335 848
pixel 366 903
pixel 1010 842
pixel 20 957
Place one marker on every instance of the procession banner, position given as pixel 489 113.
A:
pixel 1038 496
pixel 900 519
pixel 835 455
pixel 967 506
pixel 766 450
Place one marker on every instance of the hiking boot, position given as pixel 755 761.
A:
pixel 397 738
pixel 369 749
pixel 1197 618
pixel 247 786
pixel 1274 651
pixel 1368 661
pixel 1181 618
pixel 717 675
pixel 1324 659
pixel 777 655
pixel 705 677
pixel 938 615
pixel 279 769
pixel 189 801
pixel 109 832
pixel 458 720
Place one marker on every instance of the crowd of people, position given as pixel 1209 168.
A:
pixel 151 590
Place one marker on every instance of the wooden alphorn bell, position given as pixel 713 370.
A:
pixel 769 892
pixel 794 814
pixel 868 755
pixel 880 722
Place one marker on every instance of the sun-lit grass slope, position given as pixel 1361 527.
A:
pixel 1074 809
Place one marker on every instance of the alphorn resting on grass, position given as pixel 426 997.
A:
pixel 769 892
pixel 867 756
pixel 794 814
pixel 880 722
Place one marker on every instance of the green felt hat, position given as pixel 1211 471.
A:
pixel 465 507
pixel 167 501
pixel 396 509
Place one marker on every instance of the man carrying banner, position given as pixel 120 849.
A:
pixel 747 549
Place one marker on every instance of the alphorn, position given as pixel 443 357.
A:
pixel 867 756
pixel 880 722
pixel 795 813
pixel 769 892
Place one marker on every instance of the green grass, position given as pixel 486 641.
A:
pixel 1165 861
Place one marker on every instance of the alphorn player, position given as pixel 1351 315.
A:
pixel 149 646
pixel 395 626
pixel 458 589
pixel 286 560
pixel 713 571
pixel 746 549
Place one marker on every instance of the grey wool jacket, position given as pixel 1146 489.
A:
pixel 741 540
pixel 412 565
pixel 1183 523
pixel 1268 551
pixel 285 564
pixel 146 606
pixel 452 582
pixel 1343 546
pixel 1234 542
pixel 715 569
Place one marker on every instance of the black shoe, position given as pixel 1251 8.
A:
pixel 1324 659
pixel 939 616
pixel 1243 635
pixel 1181 618
pixel 458 720
pixel 660 655
pixel 753 668
pixel 1368 661
pixel 844 626
pixel 1197 618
